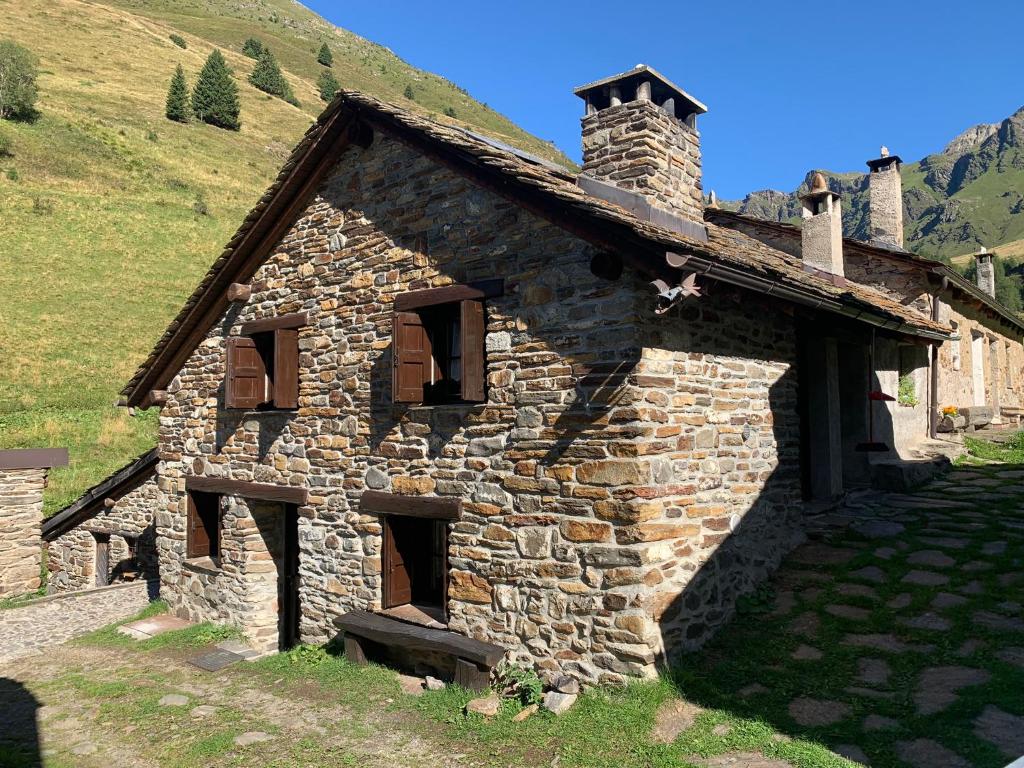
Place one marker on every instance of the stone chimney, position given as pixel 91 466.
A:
pixel 822 231
pixel 640 136
pixel 986 271
pixel 886 199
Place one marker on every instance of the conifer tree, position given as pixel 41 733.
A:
pixel 409 94
pixel 252 48
pixel 327 84
pixel 215 97
pixel 266 76
pixel 179 106
pixel 325 56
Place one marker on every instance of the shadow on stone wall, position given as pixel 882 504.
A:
pixel 19 731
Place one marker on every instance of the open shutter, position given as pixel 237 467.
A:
pixel 412 360
pixel 246 382
pixel 198 538
pixel 286 368
pixel 473 368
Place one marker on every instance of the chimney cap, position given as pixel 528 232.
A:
pixel 819 188
pixel 661 89
pixel 884 160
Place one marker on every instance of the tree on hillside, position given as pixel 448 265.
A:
pixel 266 76
pixel 19 68
pixel 252 48
pixel 215 97
pixel 178 40
pixel 327 84
pixel 409 94
pixel 325 56
pixel 179 106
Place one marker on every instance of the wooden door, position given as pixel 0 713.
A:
pixel 288 583
pixel 397 584
pixel 102 560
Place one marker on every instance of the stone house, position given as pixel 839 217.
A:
pixel 107 535
pixel 442 381
pixel 979 369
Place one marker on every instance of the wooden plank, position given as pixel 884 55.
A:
pixel 291 320
pixel 411 357
pixel 286 368
pixel 355 652
pixel 471 676
pixel 290 494
pixel 479 290
pixel 34 458
pixel 472 352
pixel 245 380
pixel 386 631
pixel 435 507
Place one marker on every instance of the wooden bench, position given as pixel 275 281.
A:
pixel 474 659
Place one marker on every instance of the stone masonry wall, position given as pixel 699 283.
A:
pixel 610 457
pixel 638 147
pixel 72 556
pixel 21 517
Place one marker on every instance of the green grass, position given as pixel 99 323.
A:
pixel 1011 452
pixel 195 636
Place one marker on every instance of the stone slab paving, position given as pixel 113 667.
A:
pixel 34 627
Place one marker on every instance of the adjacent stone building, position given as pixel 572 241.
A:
pixel 23 475
pixel 451 384
pixel 107 535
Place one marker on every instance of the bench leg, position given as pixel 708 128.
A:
pixel 354 651
pixel 471 676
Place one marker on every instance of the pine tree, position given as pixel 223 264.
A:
pixel 215 97
pixel 328 85
pixel 266 76
pixel 325 56
pixel 252 48
pixel 179 106
pixel 409 94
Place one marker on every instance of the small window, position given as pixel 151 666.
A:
pixel 203 525
pixel 262 369
pixel 439 353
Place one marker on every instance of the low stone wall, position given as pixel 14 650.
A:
pixel 21 516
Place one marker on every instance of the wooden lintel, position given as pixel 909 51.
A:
pixel 482 289
pixel 435 507
pixel 293 320
pixel 33 458
pixel 239 292
pixel 289 494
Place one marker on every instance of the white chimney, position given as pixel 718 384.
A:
pixel 822 231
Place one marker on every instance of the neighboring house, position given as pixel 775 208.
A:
pixel 438 379
pixel 108 534
pixel 980 369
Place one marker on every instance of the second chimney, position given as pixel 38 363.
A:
pixel 885 193
pixel 986 271
pixel 821 234
pixel 640 135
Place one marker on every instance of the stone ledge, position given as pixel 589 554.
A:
pixel 202 565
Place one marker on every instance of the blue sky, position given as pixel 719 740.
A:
pixel 789 86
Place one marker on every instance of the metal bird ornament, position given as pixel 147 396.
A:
pixel 669 296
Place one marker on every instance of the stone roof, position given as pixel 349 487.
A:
pixel 87 505
pixel 728 255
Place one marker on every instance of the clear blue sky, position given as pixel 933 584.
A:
pixel 789 86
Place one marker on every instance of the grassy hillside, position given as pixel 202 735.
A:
pixel 111 213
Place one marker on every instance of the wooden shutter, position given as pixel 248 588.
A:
pixel 473 368
pixel 198 537
pixel 286 368
pixel 412 359
pixel 246 382
pixel 397 584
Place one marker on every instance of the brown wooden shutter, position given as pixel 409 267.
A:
pixel 412 359
pixel 246 382
pixel 286 368
pixel 473 368
pixel 397 584
pixel 198 537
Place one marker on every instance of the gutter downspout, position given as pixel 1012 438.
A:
pixel 933 395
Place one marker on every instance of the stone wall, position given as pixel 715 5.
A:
pixel 640 148
pixel 72 556
pixel 615 454
pixel 21 517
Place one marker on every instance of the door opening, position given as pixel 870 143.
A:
pixel 288 581
pixel 102 559
pixel 416 567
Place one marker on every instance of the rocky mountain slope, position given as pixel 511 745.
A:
pixel 968 195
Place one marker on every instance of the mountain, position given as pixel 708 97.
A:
pixel 954 201
pixel 111 213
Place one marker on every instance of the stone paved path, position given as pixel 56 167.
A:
pixel 36 626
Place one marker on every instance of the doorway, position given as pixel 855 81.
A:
pixel 415 567
pixel 288 581
pixel 978 367
pixel 102 559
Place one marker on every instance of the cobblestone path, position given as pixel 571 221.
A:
pixel 31 628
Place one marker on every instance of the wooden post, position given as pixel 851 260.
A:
pixel 354 651
pixel 108 502
pixel 158 396
pixel 471 676
pixel 239 292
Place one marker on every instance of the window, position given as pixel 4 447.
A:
pixel 203 525
pixel 955 344
pixel 262 368
pixel 438 344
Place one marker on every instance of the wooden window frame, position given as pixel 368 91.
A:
pixel 194 549
pixel 272 346
pixel 414 364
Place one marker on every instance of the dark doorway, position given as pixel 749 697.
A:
pixel 415 563
pixel 102 559
pixel 288 581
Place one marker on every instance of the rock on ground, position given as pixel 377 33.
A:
pixel 672 718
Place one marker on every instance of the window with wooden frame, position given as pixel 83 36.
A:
pixel 203 525
pixel 262 366
pixel 438 344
